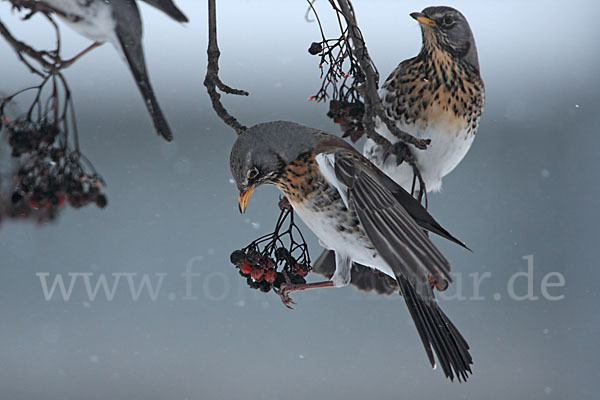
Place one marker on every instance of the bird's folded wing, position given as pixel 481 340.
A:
pixel 415 209
pixel 393 232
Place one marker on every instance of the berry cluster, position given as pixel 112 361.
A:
pixel 48 180
pixel 261 270
pixel 26 136
pixel 54 176
pixel 267 262
pixel 349 116
pixel 23 211
pixel 48 170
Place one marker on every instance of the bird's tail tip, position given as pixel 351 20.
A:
pixel 438 334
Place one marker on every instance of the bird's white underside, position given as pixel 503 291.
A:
pixel 96 20
pixel 346 246
pixel 450 142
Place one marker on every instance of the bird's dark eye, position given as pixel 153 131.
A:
pixel 252 173
pixel 448 20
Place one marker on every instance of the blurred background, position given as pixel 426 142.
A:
pixel 522 191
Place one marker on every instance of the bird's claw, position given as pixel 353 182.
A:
pixel 400 150
pixel 285 296
pixel 440 285
pixel 422 144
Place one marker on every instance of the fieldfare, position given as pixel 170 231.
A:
pixel 360 214
pixel 438 95
pixel 118 22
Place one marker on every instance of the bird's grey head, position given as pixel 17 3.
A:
pixel 261 153
pixel 447 29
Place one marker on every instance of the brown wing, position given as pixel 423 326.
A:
pixel 394 233
pixel 411 255
pixel 331 143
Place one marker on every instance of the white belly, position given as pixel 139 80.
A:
pixel 95 18
pixel 342 242
pixel 450 142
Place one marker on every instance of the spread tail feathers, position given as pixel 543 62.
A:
pixel 437 333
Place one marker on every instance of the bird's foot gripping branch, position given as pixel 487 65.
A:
pixel 275 260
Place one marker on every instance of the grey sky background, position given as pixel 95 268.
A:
pixel 527 187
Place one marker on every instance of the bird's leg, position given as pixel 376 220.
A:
pixel 67 63
pixel 403 154
pixel 286 288
pixel 410 159
pixel 400 150
pixel 422 188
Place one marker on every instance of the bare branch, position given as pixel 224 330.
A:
pixel 22 50
pixel 212 80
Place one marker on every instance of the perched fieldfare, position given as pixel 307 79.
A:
pixel 360 214
pixel 438 95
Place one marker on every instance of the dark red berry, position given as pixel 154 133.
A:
pixel 101 201
pixel 282 253
pixel 16 197
pixel 61 198
pixel 265 288
pixel 33 204
pixel 315 48
pixel 237 257
pixel 270 275
pixel 246 267
pixel 256 273
pixel 270 263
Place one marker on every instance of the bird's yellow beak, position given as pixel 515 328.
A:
pixel 243 199
pixel 422 19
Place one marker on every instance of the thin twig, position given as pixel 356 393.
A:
pixel 212 80
pixel 23 49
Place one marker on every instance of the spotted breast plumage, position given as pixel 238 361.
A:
pixel 437 95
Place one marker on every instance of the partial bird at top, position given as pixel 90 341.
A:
pixel 438 94
pixel 119 22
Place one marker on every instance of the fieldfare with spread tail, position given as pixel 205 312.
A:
pixel 438 95
pixel 360 214
pixel 118 22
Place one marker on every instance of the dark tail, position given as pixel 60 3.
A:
pixel 135 58
pixel 169 8
pixel 437 332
